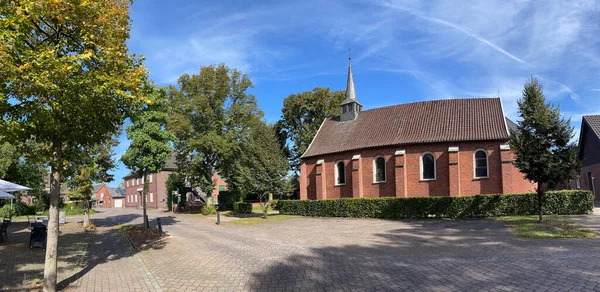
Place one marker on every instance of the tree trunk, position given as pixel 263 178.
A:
pixel 52 239
pixel 540 193
pixel 146 225
pixel 86 213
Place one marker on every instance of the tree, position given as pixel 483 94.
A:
pixel 7 157
pixel 149 149
pixel 67 79
pixel 301 117
pixel 261 167
pixel 541 142
pixel 89 167
pixel 211 115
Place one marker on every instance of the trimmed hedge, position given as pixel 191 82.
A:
pixel 241 207
pixel 567 202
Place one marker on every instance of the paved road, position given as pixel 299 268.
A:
pixel 347 255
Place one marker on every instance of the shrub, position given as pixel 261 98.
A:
pixel 19 209
pixel 208 210
pixel 227 199
pixel 556 202
pixel 241 207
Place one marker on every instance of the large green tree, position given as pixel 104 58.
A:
pixel 542 142
pixel 260 167
pixel 212 113
pixel 149 149
pixel 301 117
pixel 66 79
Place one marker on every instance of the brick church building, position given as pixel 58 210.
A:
pixel 446 147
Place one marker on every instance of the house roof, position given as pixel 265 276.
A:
pixel 594 123
pixel 97 188
pixel 116 192
pixel 170 165
pixel 450 120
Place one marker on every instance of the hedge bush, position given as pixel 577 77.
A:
pixel 566 202
pixel 227 199
pixel 19 209
pixel 208 210
pixel 241 207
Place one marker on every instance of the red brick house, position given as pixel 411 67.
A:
pixel 157 191
pixel 434 148
pixel 589 153
pixel 105 197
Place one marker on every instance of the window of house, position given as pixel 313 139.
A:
pixel 136 198
pixel 150 178
pixel 481 164
pixel 143 179
pixel 340 173
pixel 102 195
pixel 137 181
pixel 127 182
pixel 151 197
pixel 578 182
pixel 379 167
pixel 221 188
pixel 427 166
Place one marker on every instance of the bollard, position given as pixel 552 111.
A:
pixel 218 217
pixel 159 226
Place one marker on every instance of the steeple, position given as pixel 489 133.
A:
pixel 350 107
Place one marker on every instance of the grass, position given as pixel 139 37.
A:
pixel 551 227
pixel 260 220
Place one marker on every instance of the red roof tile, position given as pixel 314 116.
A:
pixel 450 120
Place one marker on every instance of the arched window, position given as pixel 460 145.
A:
pixel 340 173
pixel 428 166
pixel 481 164
pixel 379 167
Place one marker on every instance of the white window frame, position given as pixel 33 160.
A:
pixel 137 181
pixel 487 164
pixel 151 198
pixel 127 182
pixel 150 178
pixel 375 170
pixel 421 167
pixel 136 198
pixel 578 182
pixel 337 174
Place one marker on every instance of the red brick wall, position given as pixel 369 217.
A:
pixel 108 201
pixel 415 187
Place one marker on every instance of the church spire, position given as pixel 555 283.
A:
pixel 350 107
pixel 350 92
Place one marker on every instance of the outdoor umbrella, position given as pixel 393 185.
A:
pixel 11 187
pixel 6 186
pixel 6 196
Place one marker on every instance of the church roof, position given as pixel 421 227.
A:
pixel 449 120
pixel 350 91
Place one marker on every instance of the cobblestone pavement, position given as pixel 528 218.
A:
pixel 318 254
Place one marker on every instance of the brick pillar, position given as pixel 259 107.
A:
pixel 357 180
pixel 400 173
pixel 321 180
pixel 508 169
pixel 453 171
pixel 303 182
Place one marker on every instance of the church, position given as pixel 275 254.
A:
pixel 451 147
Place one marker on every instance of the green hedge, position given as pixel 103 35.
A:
pixel 556 202
pixel 241 207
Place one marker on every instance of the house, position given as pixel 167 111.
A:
pixel 589 153
pixel 106 197
pixel 157 191
pixel 434 148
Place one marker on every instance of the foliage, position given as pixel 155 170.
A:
pixel 261 167
pixel 7 157
pixel 175 182
pixel 557 202
pixel 227 199
pixel 541 142
pixel 149 149
pixel 242 207
pixel 208 210
pixel 553 227
pixel 68 80
pixel 211 114
pixel 19 209
pixel 301 116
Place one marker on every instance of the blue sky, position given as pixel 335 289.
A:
pixel 402 51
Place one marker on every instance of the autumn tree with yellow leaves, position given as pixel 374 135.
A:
pixel 67 80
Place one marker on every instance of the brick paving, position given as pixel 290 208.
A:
pixel 335 254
